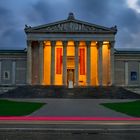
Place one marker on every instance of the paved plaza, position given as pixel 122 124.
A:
pixel 76 107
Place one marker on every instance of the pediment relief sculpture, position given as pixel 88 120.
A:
pixel 70 27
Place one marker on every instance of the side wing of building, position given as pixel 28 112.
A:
pixel 13 67
pixel 127 68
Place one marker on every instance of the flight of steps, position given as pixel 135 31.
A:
pixel 75 93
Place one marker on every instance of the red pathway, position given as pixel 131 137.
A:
pixel 52 118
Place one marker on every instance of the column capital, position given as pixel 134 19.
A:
pixel 53 43
pixel 88 43
pixel 111 43
pixel 64 43
pixel 125 60
pixel 99 44
pixel 76 43
pixel 111 46
pixel 29 42
pixel 41 43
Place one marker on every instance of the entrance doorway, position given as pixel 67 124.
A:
pixel 70 75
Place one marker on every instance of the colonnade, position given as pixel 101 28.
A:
pixel 76 60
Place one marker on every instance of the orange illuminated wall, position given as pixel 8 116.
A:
pixel 82 61
pixel 58 62
pixel 47 63
pixel 109 66
pixel 70 49
pixel 94 64
pixel 70 55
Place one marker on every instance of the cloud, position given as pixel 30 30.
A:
pixel 134 4
pixel 108 13
pixel 138 2
pixel 13 39
pixel 6 18
pixel 39 12
pixel 128 27
pixel 11 35
pixel 44 12
pixel 6 23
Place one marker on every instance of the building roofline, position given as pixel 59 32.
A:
pixel 13 51
pixel 127 51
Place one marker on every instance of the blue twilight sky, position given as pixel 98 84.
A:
pixel 14 14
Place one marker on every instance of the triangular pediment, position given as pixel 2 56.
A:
pixel 70 25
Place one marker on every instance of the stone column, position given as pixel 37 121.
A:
pixel 14 72
pixel 88 71
pixel 41 62
pixel 112 62
pixel 76 43
pixel 53 62
pixel 29 62
pixel 126 73
pixel 100 63
pixel 64 63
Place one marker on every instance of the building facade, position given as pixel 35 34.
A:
pixel 70 53
pixel 70 50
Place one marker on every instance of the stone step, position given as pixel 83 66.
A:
pixel 64 92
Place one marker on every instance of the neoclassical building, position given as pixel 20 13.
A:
pixel 70 53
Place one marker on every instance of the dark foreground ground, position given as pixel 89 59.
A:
pixel 69 132
pixel 75 93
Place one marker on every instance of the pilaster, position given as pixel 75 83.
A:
pixel 29 62
pixel 112 62
pixel 88 71
pixel 64 63
pixel 126 73
pixel 14 72
pixel 100 63
pixel 76 43
pixel 41 62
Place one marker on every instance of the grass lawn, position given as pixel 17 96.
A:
pixel 131 108
pixel 16 108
